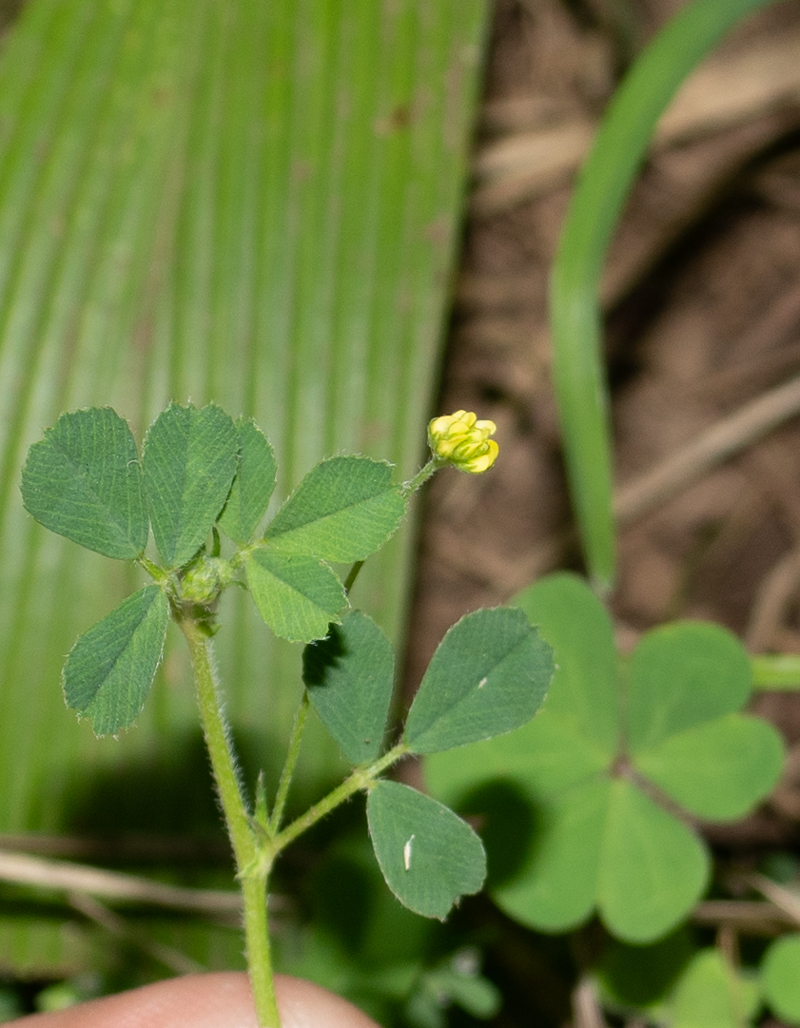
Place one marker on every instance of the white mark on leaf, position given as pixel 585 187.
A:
pixel 482 682
pixel 407 854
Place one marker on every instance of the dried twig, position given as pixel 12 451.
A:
pixel 710 448
pixel 586 1006
pixel 111 922
pixel 80 878
pixel 786 899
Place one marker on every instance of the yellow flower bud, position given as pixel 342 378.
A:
pixel 463 441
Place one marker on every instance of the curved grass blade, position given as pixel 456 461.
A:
pixel 575 317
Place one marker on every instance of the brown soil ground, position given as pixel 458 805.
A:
pixel 702 293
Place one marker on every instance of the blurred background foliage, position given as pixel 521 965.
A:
pixel 255 203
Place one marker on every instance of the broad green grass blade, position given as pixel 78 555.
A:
pixel 776 671
pixel 575 316
pixel 250 203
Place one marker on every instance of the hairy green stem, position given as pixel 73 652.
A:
pixel 252 863
pixel 360 779
pixel 423 475
pixel 291 760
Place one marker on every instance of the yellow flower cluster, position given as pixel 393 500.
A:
pixel 463 441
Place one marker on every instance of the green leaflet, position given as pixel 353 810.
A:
pixel 428 856
pixel 711 994
pixel 714 770
pixel 84 481
pixel 189 462
pixel 349 676
pixel 110 669
pixel 780 977
pixel 584 697
pixel 653 868
pixel 488 676
pixel 343 510
pixel 555 889
pixel 681 675
pixel 297 596
pixel 253 485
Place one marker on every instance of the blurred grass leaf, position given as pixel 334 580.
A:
pixel 595 209
pixel 249 203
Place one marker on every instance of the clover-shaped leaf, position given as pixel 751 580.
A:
pixel 343 510
pixel 349 676
pixel 189 463
pixel 110 669
pixel 592 776
pixel 84 481
pixel 253 485
pixel 297 596
pixel 428 855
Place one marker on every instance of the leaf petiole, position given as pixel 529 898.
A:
pixel 361 778
pixel 287 773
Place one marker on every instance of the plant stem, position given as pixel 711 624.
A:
pixel 291 760
pixel 354 572
pixel 423 475
pixel 360 779
pixel 253 863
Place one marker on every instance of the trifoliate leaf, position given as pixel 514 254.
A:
pixel 298 597
pixel 488 676
pixel 428 855
pixel 653 868
pixel 84 481
pixel 110 669
pixel 189 463
pixel 718 770
pixel 349 676
pixel 343 510
pixel 253 485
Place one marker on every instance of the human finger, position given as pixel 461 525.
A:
pixel 221 1000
